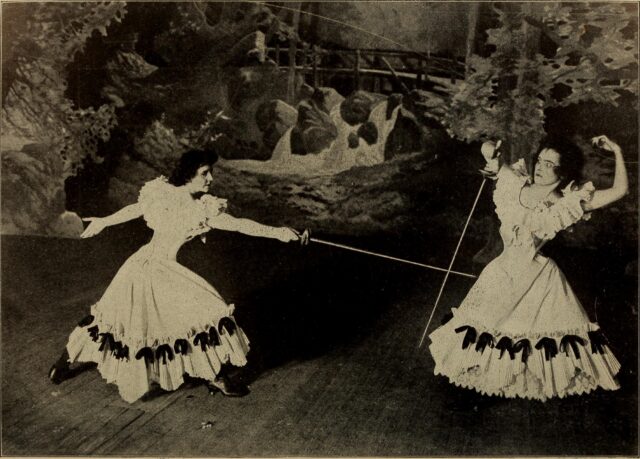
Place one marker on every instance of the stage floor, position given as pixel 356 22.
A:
pixel 334 367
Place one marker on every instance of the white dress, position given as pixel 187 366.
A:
pixel 521 331
pixel 158 320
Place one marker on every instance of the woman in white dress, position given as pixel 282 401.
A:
pixel 157 320
pixel 521 331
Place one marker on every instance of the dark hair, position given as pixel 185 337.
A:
pixel 571 159
pixel 189 163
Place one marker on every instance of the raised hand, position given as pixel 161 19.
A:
pixel 491 154
pixel 96 225
pixel 606 143
pixel 620 185
pixel 489 150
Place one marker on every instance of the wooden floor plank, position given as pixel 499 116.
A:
pixel 125 434
pixel 113 429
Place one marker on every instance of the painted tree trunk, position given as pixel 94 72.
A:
pixel 293 45
pixel 471 33
pixel 524 146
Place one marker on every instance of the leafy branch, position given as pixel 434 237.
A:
pixel 34 104
pixel 505 94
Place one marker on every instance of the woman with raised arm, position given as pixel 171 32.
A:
pixel 157 320
pixel 521 331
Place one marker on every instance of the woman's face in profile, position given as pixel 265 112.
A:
pixel 201 181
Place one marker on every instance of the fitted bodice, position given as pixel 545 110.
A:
pixel 175 216
pixel 523 229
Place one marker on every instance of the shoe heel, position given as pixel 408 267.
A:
pixel 53 375
pixel 57 374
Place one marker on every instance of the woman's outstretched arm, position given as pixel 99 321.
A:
pixel 620 185
pixel 97 224
pixel 249 227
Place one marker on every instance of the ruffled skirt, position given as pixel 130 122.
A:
pixel 157 321
pixel 521 332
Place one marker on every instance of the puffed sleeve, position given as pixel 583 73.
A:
pixel 213 206
pixel 155 200
pixel 510 180
pixel 546 222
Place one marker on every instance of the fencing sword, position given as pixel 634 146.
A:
pixel 455 253
pixel 305 238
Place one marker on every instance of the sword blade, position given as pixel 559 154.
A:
pixel 455 253
pixel 401 260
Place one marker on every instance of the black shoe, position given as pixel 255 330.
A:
pixel 58 373
pixel 222 384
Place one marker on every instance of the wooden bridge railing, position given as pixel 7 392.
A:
pixel 406 65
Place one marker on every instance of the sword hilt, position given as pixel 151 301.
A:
pixel 305 236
